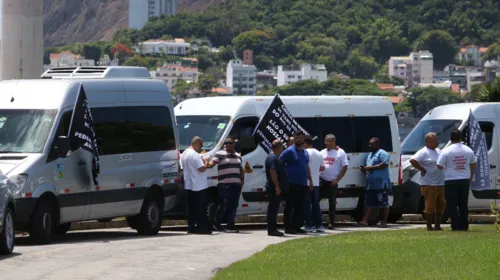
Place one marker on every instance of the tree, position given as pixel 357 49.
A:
pixel 225 54
pixel 121 51
pixel 92 51
pixel 442 46
pixel 359 66
pixel 263 62
pixel 384 40
pixel 303 87
pixel 182 89
pixel 206 83
pixel 493 52
pixel 250 40
pixel 489 92
pixel 136 61
pixel 386 79
pixel 422 100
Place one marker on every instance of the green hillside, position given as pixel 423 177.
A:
pixel 353 37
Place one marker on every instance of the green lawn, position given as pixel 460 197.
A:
pixel 401 254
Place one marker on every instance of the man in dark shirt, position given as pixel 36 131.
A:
pixel 296 160
pixel 277 183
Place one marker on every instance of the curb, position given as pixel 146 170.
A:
pixel 259 219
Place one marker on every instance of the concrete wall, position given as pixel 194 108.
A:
pixel 22 39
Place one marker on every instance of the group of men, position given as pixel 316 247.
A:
pixel 445 179
pixel 299 175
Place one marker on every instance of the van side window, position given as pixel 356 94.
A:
pixel 243 129
pixel 311 125
pixel 366 128
pixel 488 129
pixel 342 128
pixel 62 130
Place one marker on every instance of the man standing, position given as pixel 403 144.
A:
pixel 296 161
pixel 313 217
pixel 276 185
pixel 231 179
pixel 336 163
pixel 378 182
pixel 290 142
pixel 459 164
pixel 195 183
pixel 431 180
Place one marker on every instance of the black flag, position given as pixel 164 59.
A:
pixel 276 123
pixel 81 132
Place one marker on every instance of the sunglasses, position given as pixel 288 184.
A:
pixel 229 143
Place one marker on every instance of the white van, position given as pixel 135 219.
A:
pixel 442 120
pixel 136 135
pixel 353 120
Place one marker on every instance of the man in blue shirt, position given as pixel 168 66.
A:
pixel 296 160
pixel 277 185
pixel 378 182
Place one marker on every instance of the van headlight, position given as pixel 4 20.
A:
pixel 19 181
pixel 408 173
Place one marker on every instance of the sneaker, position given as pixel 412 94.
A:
pixel 308 229
pixel 301 231
pixel 320 229
pixel 330 226
pixel 290 231
pixel 276 233
pixel 218 228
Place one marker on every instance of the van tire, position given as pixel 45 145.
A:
pixel 62 228
pixel 42 223
pixel 394 217
pixel 150 219
pixel 132 222
pixel 8 234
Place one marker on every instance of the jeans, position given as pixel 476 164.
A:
pixel 272 209
pixel 293 216
pixel 312 210
pixel 197 210
pixel 330 192
pixel 229 197
pixel 457 195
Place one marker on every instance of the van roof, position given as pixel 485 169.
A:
pixel 50 93
pixel 460 111
pixel 232 105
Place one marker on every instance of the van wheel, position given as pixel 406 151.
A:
pixel 7 238
pixel 151 216
pixel 62 228
pixel 359 212
pixel 42 223
pixel 394 217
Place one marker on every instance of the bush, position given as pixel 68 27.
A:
pixel 495 209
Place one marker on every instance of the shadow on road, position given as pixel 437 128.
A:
pixel 13 255
pixel 95 236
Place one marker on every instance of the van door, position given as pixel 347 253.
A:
pixel 492 141
pixel 71 181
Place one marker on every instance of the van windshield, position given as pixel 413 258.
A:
pixel 209 128
pixel 24 131
pixel 415 140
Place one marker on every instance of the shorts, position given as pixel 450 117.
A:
pixel 435 201
pixel 376 199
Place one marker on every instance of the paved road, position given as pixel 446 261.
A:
pixel 121 254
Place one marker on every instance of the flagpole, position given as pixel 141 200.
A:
pixel 74 108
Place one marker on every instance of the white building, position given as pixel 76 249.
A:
pixel 295 73
pixel 416 68
pixel 169 47
pixel 140 11
pixel 472 54
pixel 242 78
pixel 172 73
pixel 68 59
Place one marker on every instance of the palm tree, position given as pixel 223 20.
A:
pixel 489 92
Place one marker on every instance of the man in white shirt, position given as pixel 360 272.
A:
pixel 459 164
pixel 312 211
pixel 336 163
pixel 431 180
pixel 195 184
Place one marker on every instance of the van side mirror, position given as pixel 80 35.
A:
pixel 62 146
pixel 237 146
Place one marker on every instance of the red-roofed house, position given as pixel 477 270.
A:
pixel 472 53
pixel 68 59
pixel 172 73
pixel 455 88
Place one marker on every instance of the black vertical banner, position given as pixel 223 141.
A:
pixel 276 123
pixel 81 132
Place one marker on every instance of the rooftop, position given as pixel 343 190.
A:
pixel 158 41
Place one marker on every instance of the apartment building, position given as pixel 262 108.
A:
pixel 172 73
pixel 242 77
pixel 414 69
pixel 176 46
pixel 68 59
pixel 294 73
pixel 140 11
pixel 472 54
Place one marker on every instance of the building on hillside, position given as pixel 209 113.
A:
pixel 472 54
pixel 294 73
pixel 267 78
pixel 413 69
pixel 177 46
pixel 172 73
pixel 107 61
pixel 241 77
pixel 69 59
pixel 140 11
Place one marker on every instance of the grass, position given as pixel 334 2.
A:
pixel 401 254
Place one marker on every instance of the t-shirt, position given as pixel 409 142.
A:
pixel 315 162
pixel 456 160
pixel 334 160
pixel 194 180
pixel 296 163
pixel 274 162
pixel 228 166
pixel 378 179
pixel 428 159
